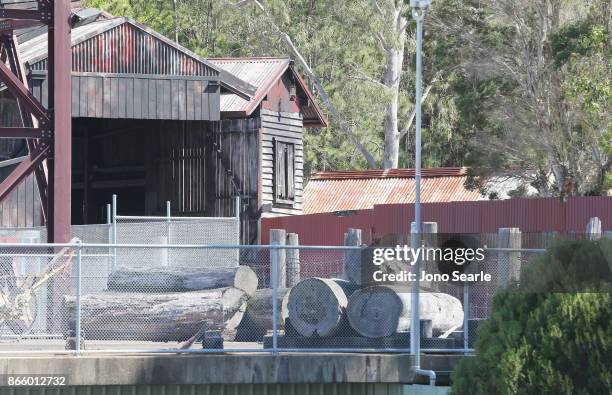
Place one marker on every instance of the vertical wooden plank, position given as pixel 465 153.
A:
pixel 214 101
pixel 129 97
pixel 84 93
pixel 197 100
pixel 91 97
pixel 107 97
pixel 174 98
pixel 182 100
pixel 205 98
pixel 290 166
pixel 75 96
pixel 114 98
pixel 167 99
pixel 121 99
pixel 99 97
pixel 152 110
pixel 159 99
pixel 189 110
pixel 139 97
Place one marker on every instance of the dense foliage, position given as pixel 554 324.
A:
pixel 551 335
pixel 518 88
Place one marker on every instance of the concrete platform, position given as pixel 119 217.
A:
pixel 227 368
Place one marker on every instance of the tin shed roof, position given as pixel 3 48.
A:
pixel 122 45
pixel 356 190
pixel 263 73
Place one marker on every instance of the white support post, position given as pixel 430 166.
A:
pixel 508 262
pixel 593 229
pixel 114 231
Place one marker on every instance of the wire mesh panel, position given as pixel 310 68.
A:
pixel 159 230
pixel 199 297
pixel 34 283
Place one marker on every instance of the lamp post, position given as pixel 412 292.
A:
pixel 419 9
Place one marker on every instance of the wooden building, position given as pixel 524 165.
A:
pixel 153 122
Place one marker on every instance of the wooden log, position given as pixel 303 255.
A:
pixel 316 306
pixel 181 279
pixel 155 316
pixel 279 237
pixel 257 319
pixel 379 311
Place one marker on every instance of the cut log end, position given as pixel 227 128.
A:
pixel 316 307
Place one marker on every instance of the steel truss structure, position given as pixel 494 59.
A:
pixel 47 130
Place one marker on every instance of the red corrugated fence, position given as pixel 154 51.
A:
pixel 529 215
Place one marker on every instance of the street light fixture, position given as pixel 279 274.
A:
pixel 419 9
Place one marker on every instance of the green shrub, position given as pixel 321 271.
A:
pixel 545 337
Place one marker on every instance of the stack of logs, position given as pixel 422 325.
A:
pixel 349 307
pixel 165 303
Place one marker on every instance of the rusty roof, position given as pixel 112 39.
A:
pixel 357 190
pixel 263 73
pixel 122 45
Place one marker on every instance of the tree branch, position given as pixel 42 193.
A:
pixel 408 125
pixel 344 125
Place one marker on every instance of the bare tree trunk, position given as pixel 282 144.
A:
pixel 393 71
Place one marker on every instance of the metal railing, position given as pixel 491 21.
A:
pixel 70 298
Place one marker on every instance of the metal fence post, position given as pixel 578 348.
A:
pixel 109 221
pixel 466 318
pixel 114 231
pixel 274 279
pixel 77 335
pixel 168 232
pixel 237 209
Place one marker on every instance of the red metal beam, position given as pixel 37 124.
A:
pixel 11 51
pixel 23 94
pixel 60 100
pixel 23 132
pixel 22 171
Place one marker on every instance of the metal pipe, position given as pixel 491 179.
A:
pixel 237 208
pixel 415 337
pixel 427 373
pixel 161 218
pixel 188 246
pixel 274 273
pixel 114 232
pixel 466 316
pixel 166 253
pixel 418 12
pixel 78 302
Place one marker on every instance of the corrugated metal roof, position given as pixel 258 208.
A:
pixel 263 73
pixel 259 72
pixel 389 173
pixel 356 190
pixel 122 45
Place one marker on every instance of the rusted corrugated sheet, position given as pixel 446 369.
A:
pixel 338 191
pixel 580 208
pixel 264 73
pixel 389 173
pixel 120 45
pixel 532 216
pixel 260 72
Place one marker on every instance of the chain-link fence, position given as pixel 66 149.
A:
pixel 86 297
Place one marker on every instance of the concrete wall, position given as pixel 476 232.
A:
pixel 238 389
